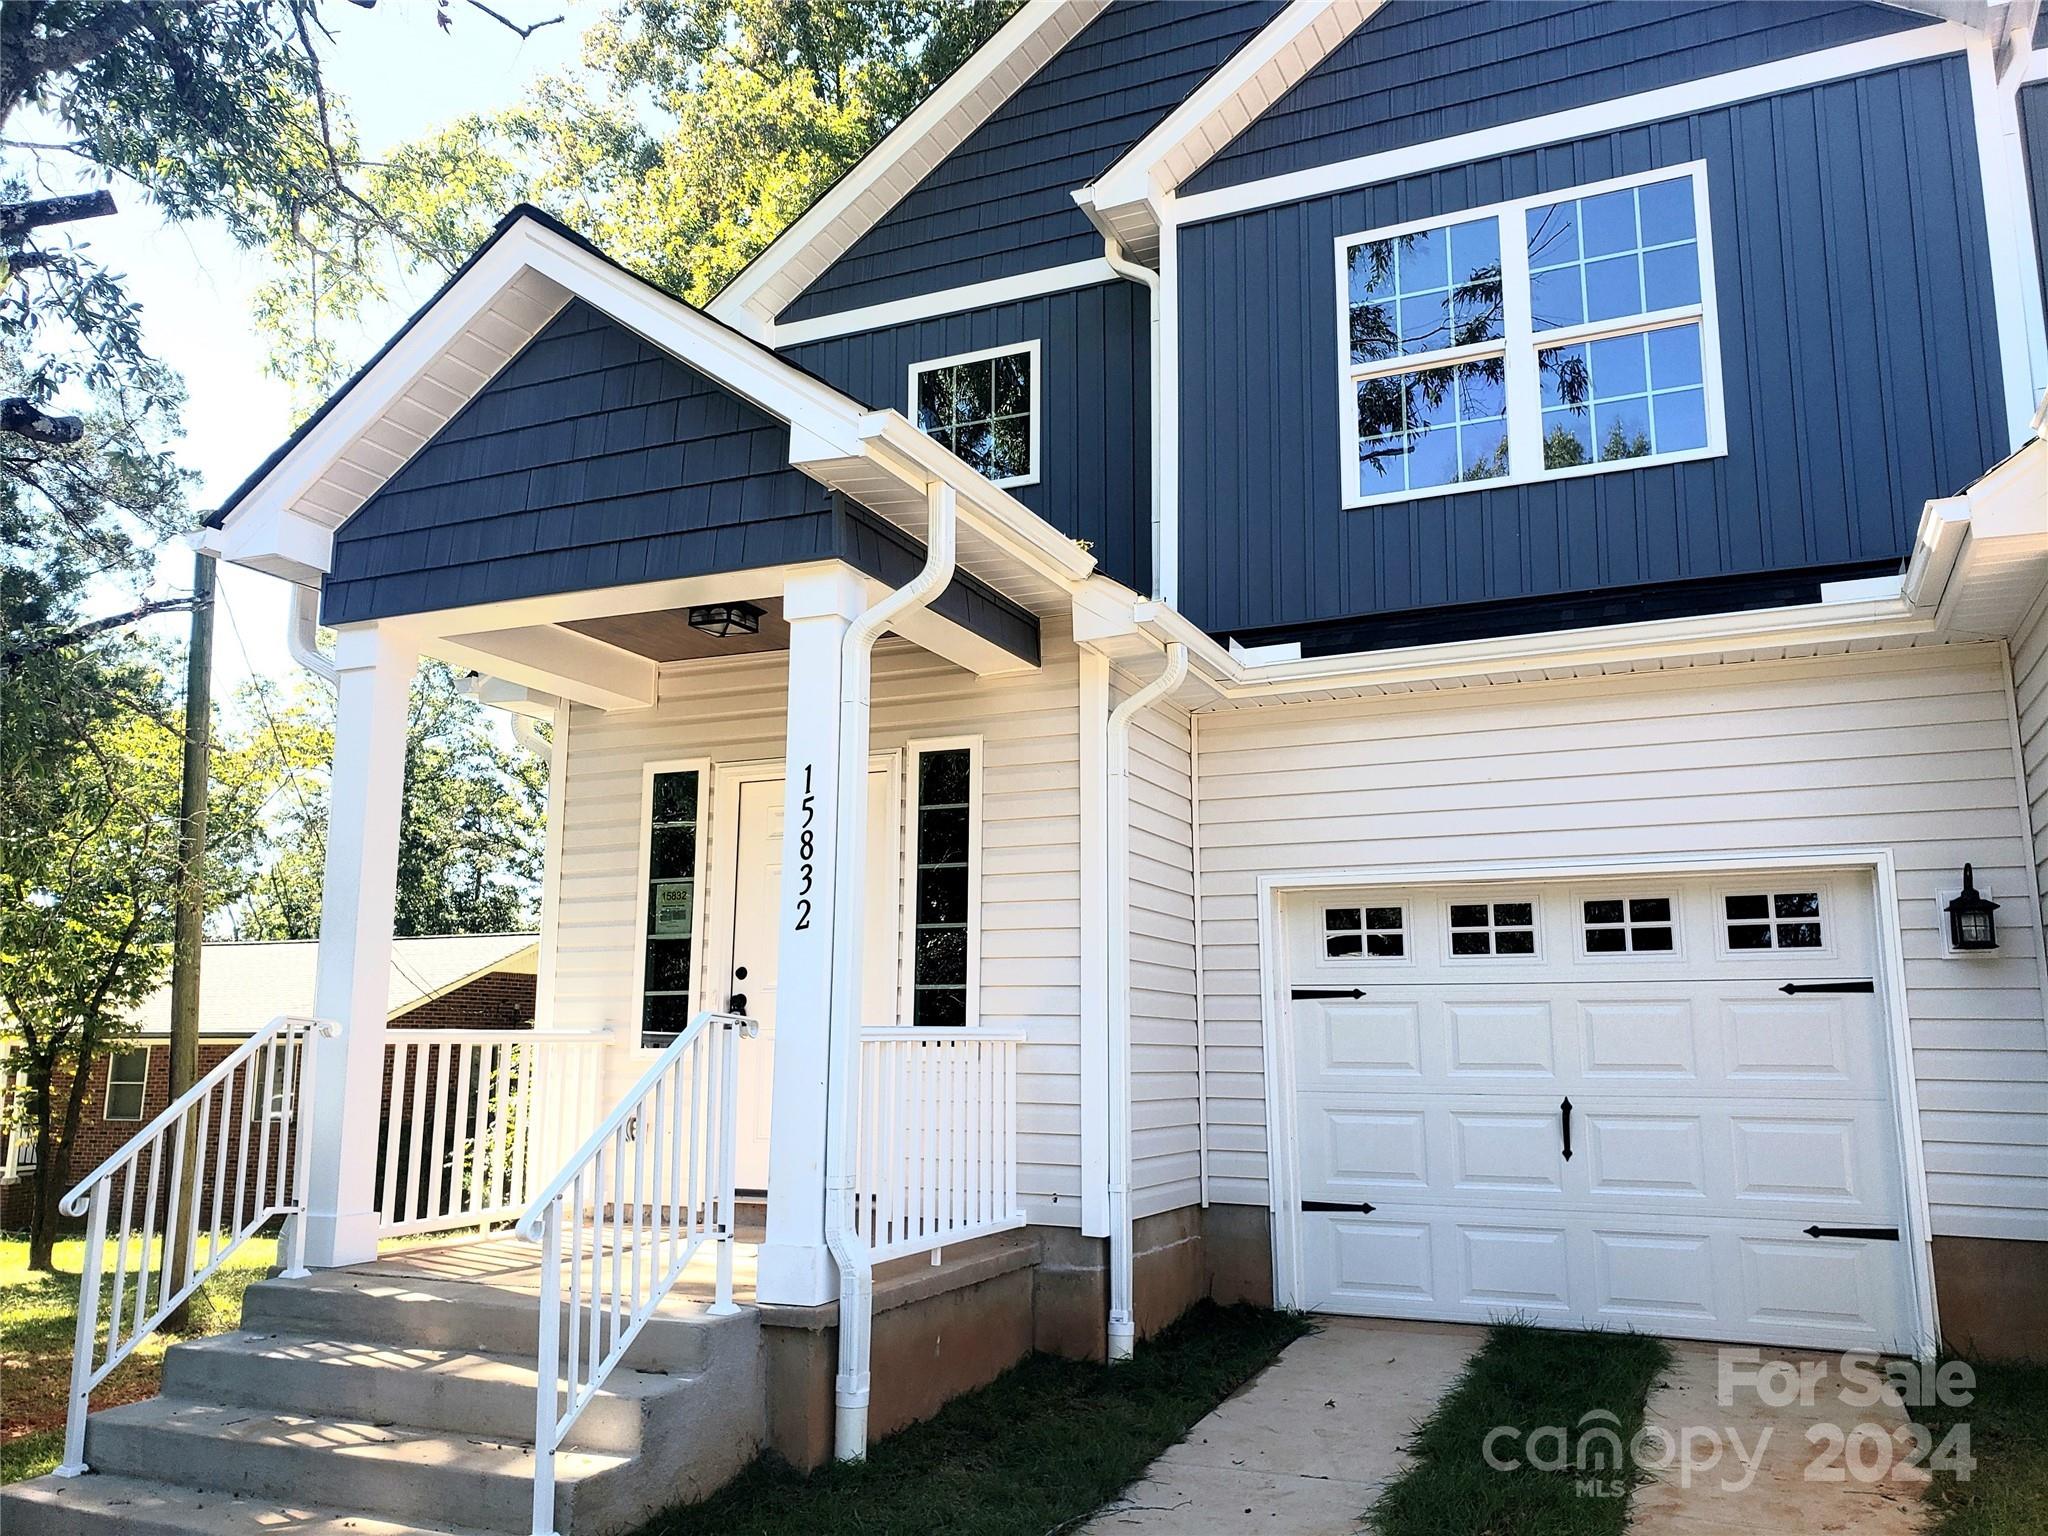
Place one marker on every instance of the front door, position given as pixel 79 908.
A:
pixel 750 950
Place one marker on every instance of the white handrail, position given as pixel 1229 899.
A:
pixel 676 1127
pixel 276 1072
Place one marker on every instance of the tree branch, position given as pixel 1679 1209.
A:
pixel 83 632
pixel 507 21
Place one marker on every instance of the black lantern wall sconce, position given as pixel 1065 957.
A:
pixel 1970 923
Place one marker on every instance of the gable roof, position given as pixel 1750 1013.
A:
pixel 850 207
pixel 242 987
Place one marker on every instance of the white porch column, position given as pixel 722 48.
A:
pixel 794 1267
pixel 374 672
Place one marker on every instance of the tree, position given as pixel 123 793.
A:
pixel 698 130
pixel 470 837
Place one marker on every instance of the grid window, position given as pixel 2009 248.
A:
pixel 1350 933
pixel 1777 920
pixel 1628 925
pixel 1547 336
pixel 939 934
pixel 671 904
pixel 1634 251
pixel 981 408
pixel 127 1083
pixel 1493 928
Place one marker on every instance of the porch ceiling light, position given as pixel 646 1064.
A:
pixel 1970 923
pixel 722 619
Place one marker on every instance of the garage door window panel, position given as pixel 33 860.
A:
pixel 1484 929
pixel 1365 933
pixel 1628 925
pixel 1773 920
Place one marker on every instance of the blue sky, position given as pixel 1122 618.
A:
pixel 400 76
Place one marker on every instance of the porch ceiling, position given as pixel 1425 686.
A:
pixel 664 634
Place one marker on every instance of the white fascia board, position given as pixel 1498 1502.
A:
pixel 855 203
pixel 944 301
pixel 888 439
pixel 1805 69
pixel 1278 57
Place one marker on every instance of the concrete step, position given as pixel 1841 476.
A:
pixel 105 1506
pixel 681 1339
pixel 380 1383
pixel 395 1472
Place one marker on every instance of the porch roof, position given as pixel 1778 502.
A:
pixel 285 517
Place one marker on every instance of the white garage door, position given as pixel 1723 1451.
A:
pixel 1661 1104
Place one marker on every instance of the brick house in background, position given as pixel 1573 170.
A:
pixel 460 981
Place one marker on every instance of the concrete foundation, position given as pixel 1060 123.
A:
pixel 1992 1294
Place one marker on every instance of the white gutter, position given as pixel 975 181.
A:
pixel 1123 1332
pixel 302 634
pixel 1123 266
pixel 849 879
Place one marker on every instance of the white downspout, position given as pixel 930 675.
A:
pixel 856 1269
pixel 302 634
pixel 1123 1330
pixel 1123 266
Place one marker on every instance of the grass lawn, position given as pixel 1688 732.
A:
pixel 2007 1493
pixel 1045 1444
pixel 37 1315
pixel 1528 1378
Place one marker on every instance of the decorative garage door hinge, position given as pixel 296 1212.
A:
pixel 1301 993
pixel 1362 1208
pixel 1874 1234
pixel 1791 987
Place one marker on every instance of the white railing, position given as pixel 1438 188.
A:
pixel 624 1217
pixel 469 1114
pixel 246 1166
pixel 937 1127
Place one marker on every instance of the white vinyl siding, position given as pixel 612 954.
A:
pixel 732 712
pixel 1909 750
pixel 1166 1170
pixel 2030 703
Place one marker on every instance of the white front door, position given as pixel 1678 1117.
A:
pixel 1663 1104
pixel 752 933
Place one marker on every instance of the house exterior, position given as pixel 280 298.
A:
pixel 461 981
pixel 1463 588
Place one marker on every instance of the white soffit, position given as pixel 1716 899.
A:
pixel 856 202
pixel 1120 200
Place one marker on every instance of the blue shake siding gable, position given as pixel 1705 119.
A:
pixel 1859 363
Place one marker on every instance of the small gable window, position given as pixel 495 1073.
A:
pixel 983 406
pixel 1554 336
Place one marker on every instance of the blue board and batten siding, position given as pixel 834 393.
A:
pixel 2033 110
pixel 1002 202
pixel 1859 360
pixel 1417 72
pixel 1094 392
pixel 595 459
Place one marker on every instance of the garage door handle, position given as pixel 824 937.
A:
pixel 1362 1208
pixel 1874 1234
pixel 1300 994
pixel 1792 987
pixel 1564 1115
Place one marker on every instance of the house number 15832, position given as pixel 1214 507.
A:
pixel 806 852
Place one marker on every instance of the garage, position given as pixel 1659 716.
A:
pixel 1660 1103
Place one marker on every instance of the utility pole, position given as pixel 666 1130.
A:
pixel 189 924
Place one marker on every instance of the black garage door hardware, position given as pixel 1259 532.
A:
pixel 1875 1234
pixel 1300 994
pixel 1362 1208
pixel 1791 987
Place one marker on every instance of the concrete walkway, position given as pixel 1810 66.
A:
pixel 1743 1465
pixel 1306 1448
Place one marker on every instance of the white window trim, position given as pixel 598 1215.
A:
pixel 1770 890
pixel 107 1106
pixel 913 754
pixel 1494 929
pixel 1628 926
pixel 700 766
pixel 1031 350
pixel 1524 385
pixel 1406 930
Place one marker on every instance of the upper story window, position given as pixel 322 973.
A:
pixel 983 406
pixel 1533 340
